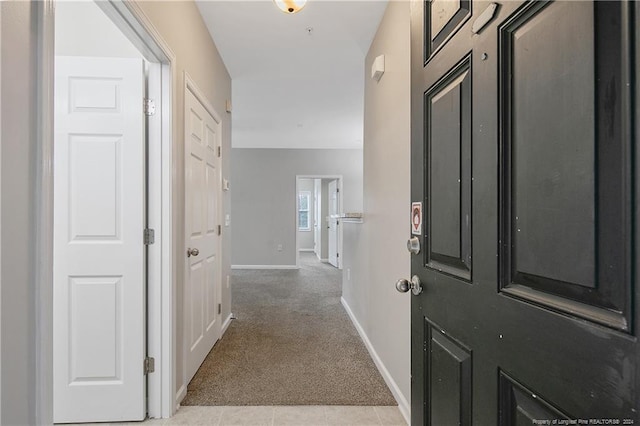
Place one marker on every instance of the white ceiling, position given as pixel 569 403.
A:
pixel 292 88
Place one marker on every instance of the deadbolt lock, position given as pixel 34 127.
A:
pixel 413 245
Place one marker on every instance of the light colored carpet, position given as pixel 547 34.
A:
pixel 291 344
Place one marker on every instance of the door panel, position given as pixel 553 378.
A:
pixel 95 195
pixel 448 116
pixel 572 183
pixel 449 378
pixel 442 19
pixel 211 296
pixel 522 143
pixel 202 294
pixel 519 406
pixel 553 214
pixel 99 259
pixel 95 352
pixel 195 305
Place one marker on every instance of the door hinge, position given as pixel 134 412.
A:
pixel 337 189
pixel 219 229
pixel 149 107
pixel 337 254
pixel 219 151
pixel 149 236
pixel 149 365
pixel 219 308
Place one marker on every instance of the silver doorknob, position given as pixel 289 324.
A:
pixel 192 252
pixel 414 285
pixel 413 245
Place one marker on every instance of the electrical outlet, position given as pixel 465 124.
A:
pixel 228 280
pixel 279 247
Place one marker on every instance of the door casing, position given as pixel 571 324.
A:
pixel 334 225
pixel 341 193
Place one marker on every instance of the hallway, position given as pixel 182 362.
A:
pixel 291 344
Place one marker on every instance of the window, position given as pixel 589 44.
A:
pixel 303 211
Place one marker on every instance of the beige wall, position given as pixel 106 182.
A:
pixel 18 135
pixel 181 26
pixel 375 252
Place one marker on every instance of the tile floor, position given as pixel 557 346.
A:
pixel 281 415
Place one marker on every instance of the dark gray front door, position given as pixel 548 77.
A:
pixel 525 155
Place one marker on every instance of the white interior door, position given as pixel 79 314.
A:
pixel 334 209
pixel 202 289
pixel 99 283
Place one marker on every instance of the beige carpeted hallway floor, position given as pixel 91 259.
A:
pixel 291 344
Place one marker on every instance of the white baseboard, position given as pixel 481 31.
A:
pixel 264 267
pixel 182 393
pixel 403 404
pixel 324 260
pixel 226 324
pixel 307 250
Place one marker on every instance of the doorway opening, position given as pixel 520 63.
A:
pixel 105 276
pixel 319 209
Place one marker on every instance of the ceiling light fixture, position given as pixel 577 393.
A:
pixel 290 6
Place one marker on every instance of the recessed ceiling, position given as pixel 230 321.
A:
pixel 298 80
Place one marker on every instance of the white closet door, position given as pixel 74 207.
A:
pixel 99 256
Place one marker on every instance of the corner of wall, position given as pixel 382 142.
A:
pixel 374 251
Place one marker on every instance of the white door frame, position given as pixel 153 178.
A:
pixel 161 331
pixel 339 242
pixel 1 208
